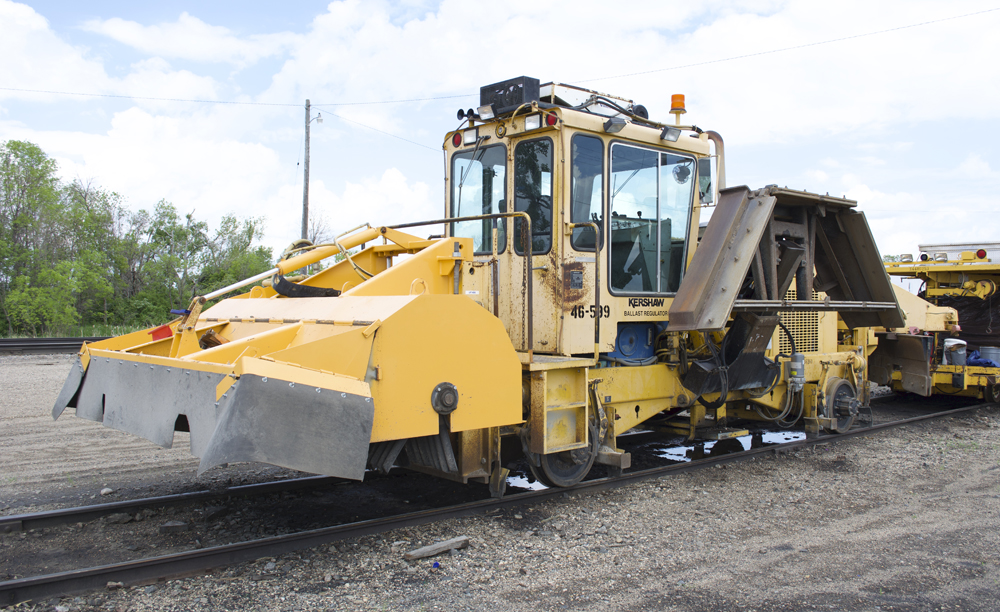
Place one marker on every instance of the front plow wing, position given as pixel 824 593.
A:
pixel 307 428
pixel 315 423
pixel 146 399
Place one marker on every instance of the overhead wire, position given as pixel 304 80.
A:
pixel 325 106
pixel 792 48
pixel 234 102
pixel 455 96
pixel 374 129
pixel 430 98
pixel 147 98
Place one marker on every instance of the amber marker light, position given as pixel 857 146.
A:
pixel 677 106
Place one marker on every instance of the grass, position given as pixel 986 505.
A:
pixel 951 445
pixel 88 331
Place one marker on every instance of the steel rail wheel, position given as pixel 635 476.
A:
pixel 992 393
pixel 841 405
pixel 567 468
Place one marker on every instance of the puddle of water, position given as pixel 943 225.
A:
pixel 777 437
pixel 715 448
pixel 516 480
pixel 685 453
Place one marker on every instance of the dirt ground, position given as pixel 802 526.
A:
pixel 901 520
pixel 68 462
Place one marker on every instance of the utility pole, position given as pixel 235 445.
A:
pixel 305 182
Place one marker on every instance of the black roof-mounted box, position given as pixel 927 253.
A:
pixel 506 96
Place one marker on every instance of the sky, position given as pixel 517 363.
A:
pixel 894 103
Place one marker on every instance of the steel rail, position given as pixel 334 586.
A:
pixel 39 346
pixel 64 516
pixel 13 523
pixel 157 568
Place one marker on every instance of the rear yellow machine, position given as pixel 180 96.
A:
pixel 954 311
pixel 569 301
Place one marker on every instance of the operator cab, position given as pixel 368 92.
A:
pixel 566 160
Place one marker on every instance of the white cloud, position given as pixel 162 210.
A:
pixel 387 199
pixel 150 157
pixel 155 79
pixel 379 200
pixel 900 221
pixel 895 147
pixel 356 51
pixel 192 39
pixel 874 97
pixel 975 167
pixel 36 58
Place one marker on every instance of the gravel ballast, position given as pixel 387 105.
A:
pixel 903 520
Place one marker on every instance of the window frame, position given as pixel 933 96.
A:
pixel 552 188
pixel 606 229
pixel 502 222
pixel 605 160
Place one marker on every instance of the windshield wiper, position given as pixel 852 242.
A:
pixel 479 141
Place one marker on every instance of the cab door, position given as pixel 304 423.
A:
pixel 534 187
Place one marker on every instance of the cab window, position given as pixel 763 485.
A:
pixel 533 194
pixel 586 189
pixel 479 187
pixel 650 197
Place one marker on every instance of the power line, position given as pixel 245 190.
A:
pixel 782 50
pixel 605 78
pixel 236 102
pixel 70 93
pixel 374 129
pixel 130 97
pixel 396 101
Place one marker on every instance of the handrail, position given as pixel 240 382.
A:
pixel 597 281
pixel 527 262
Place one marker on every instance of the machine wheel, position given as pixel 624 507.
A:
pixel 567 468
pixel 841 404
pixel 992 393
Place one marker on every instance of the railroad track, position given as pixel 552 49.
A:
pixel 80 514
pixel 41 346
pixel 151 569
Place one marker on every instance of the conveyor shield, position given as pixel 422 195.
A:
pixel 712 281
pixel 850 267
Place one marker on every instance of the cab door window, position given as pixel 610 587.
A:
pixel 586 189
pixel 479 187
pixel 533 194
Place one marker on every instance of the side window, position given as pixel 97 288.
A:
pixel 587 189
pixel 706 190
pixel 533 194
pixel 651 195
pixel 479 187
pixel 677 181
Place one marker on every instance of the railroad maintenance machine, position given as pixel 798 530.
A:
pixel 952 316
pixel 568 302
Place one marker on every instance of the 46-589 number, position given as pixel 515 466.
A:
pixel 581 312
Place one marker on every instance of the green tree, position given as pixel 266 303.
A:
pixel 74 253
pixel 231 256
pixel 29 199
pixel 47 304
